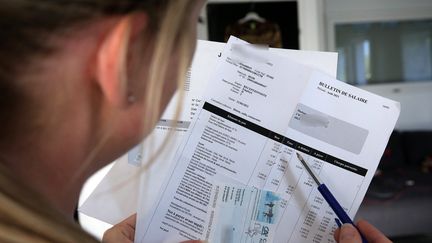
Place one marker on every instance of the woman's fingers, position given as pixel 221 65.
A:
pixel 122 232
pixel 130 221
pixel 347 234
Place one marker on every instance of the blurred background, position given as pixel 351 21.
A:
pixel 384 46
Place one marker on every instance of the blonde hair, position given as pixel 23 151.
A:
pixel 25 215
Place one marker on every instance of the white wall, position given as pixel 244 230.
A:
pixel 343 11
pixel 415 98
pixel 416 103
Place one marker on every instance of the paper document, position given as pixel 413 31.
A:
pixel 115 197
pixel 244 214
pixel 259 110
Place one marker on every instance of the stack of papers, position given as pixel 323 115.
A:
pixel 234 176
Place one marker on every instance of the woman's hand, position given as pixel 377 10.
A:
pixel 124 232
pixel 348 234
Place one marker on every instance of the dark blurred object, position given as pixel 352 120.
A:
pixel 399 198
pixel 412 239
pixel 76 215
pixel 385 187
pixel 417 147
pixel 405 163
pixel 256 30
pixel 426 166
pixel 393 156
pixel 282 14
pixel 407 149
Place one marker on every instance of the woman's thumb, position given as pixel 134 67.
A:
pixel 349 234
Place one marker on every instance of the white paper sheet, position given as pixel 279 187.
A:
pixel 258 111
pixel 110 202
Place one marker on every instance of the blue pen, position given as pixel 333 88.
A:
pixel 331 200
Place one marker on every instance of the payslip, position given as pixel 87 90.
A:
pixel 251 125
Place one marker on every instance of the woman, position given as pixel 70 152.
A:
pixel 81 82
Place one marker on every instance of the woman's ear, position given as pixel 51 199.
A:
pixel 112 58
